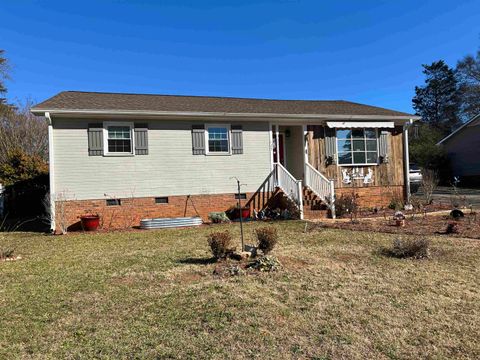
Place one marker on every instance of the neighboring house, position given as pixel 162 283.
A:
pixel 463 150
pixel 133 156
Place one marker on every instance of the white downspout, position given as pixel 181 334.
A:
pixel 51 172
pixel 406 159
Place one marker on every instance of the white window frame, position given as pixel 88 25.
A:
pixel 355 164
pixel 106 125
pixel 229 135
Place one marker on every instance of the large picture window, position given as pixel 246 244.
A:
pixel 357 146
pixel 218 137
pixel 118 138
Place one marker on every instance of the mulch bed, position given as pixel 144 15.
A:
pixel 468 226
pixel 388 213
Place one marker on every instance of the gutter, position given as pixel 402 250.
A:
pixel 196 114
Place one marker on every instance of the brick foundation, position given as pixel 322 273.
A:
pixel 132 210
pixel 373 196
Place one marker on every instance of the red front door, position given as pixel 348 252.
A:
pixel 281 149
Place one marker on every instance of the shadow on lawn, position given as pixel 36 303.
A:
pixel 197 261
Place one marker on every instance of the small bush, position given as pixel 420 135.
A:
pixel 220 244
pixel 218 217
pixel 452 228
pixel 266 263
pixel 396 203
pixel 407 248
pixel 267 239
pixel 346 204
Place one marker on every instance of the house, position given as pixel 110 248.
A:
pixel 460 147
pixel 134 156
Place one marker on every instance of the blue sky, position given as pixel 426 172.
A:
pixel 364 51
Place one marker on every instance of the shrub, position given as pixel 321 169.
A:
pixel 396 203
pixel 218 217
pixel 410 248
pixel 346 204
pixel 267 238
pixel 220 244
pixel 266 263
pixel 452 228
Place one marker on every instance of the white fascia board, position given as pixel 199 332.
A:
pixel 305 118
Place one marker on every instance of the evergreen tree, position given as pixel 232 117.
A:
pixel 437 102
pixel 468 77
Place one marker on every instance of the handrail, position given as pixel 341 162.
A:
pixel 264 193
pixel 321 186
pixel 290 186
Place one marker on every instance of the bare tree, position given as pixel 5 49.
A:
pixel 429 184
pixel 20 130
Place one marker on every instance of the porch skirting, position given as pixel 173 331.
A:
pixel 132 210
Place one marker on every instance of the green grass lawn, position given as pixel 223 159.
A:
pixel 152 294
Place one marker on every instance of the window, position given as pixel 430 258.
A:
pixel 161 200
pixel 243 196
pixel 357 146
pixel 218 139
pixel 113 202
pixel 118 139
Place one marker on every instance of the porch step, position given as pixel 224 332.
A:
pixel 313 206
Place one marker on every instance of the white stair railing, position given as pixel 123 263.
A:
pixel 290 186
pixel 321 186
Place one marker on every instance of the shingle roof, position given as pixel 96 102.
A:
pixel 77 100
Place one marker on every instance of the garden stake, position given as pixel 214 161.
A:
pixel 240 211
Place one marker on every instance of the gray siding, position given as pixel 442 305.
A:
pixel 464 151
pixel 170 168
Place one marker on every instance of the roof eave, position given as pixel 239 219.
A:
pixel 459 129
pixel 203 115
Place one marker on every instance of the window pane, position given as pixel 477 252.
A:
pixel 344 145
pixel 217 139
pixel 345 158
pixel 119 132
pixel 358 145
pixel 119 146
pixel 358 133
pixel 359 158
pixel 371 145
pixel 370 134
pixel 372 157
pixel 344 134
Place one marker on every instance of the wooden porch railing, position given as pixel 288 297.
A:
pixel 290 186
pixel 321 186
pixel 264 193
pixel 279 178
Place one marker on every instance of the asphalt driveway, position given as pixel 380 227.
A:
pixel 445 195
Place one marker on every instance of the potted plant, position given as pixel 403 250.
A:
pixel 399 218
pixel 234 213
pixel 90 221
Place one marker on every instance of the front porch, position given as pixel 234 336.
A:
pixel 314 164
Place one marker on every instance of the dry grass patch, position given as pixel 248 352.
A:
pixel 153 295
